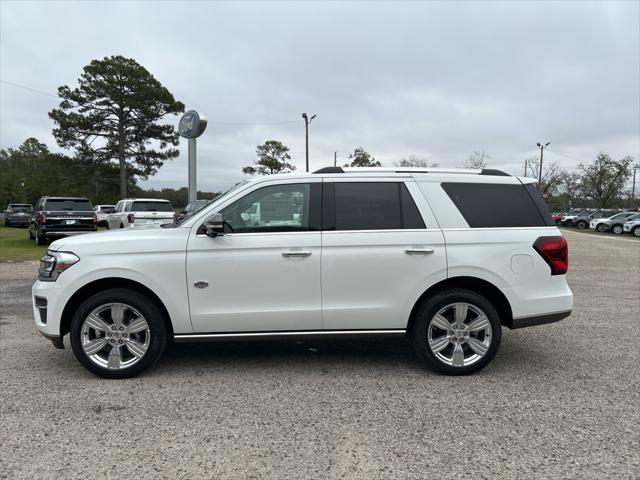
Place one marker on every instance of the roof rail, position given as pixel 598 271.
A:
pixel 484 171
pixel 330 170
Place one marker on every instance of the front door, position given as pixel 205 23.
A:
pixel 263 274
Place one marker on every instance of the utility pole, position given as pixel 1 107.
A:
pixel 307 121
pixel 633 185
pixel 541 147
pixel 335 163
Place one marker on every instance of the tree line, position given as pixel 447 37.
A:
pixel 113 126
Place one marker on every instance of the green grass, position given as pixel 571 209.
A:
pixel 16 247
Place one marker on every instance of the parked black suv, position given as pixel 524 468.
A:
pixel 17 214
pixel 56 217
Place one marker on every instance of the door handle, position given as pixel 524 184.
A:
pixel 419 251
pixel 296 253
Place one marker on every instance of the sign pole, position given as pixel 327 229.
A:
pixel 192 125
pixel 193 189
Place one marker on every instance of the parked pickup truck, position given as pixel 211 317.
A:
pixel 149 212
pixel 57 217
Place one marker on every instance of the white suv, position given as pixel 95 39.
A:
pixel 148 212
pixel 446 257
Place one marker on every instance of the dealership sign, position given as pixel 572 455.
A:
pixel 192 124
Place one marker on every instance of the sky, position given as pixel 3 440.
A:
pixel 437 80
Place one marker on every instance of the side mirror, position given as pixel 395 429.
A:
pixel 215 225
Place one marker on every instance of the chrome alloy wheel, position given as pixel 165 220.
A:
pixel 115 336
pixel 459 335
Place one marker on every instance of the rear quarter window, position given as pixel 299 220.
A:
pixel 495 205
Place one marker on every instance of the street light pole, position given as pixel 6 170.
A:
pixel 335 163
pixel 307 121
pixel 541 147
pixel 633 186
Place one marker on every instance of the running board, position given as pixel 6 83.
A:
pixel 306 334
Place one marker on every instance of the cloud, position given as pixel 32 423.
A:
pixel 437 80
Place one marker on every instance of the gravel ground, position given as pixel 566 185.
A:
pixel 559 401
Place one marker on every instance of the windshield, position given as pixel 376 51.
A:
pixel 220 197
pixel 151 207
pixel 69 205
pixel 20 208
pixel 633 217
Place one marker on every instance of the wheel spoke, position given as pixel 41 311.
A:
pixel 477 346
pixel 461 310
pixel 458 355
pixel 96 322
pixel 115 358
pixel 94 346
pixel 479 323
pixel 136 348
pixel 137 325
pixel 439 344
pixel 441 322
pixel 117 314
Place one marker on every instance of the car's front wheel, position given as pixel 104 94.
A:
pixel 118 333
pixel 600 228
pixel 617 229
pixel 636 232
pixel 456 332
pixel 582 225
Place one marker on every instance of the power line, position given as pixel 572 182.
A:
pixel 17 85
pixel 284 122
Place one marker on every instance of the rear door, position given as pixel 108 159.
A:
pixel 381 249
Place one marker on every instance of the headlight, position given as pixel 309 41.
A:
pixel 53 264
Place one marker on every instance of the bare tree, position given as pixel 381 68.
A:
pixel 413 161
pixel 552 175
pixel 478 159
pixel 604 180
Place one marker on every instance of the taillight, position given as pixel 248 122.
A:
pixel 554 251
pixel 131 218
pixel 42 218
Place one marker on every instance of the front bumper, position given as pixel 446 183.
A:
pixel 48 303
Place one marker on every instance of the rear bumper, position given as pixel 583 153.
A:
pixel 64 233
pixel 532 321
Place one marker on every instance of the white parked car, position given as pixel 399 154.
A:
pixel 136 212
pixel 445 257
pixel 602 224
pixel 632 225
pixel 101 213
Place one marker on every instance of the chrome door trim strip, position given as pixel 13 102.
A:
pixel 212 337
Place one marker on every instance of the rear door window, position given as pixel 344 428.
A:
pixel 374 206
pixel 492 205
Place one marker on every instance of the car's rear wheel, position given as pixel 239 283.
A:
pixel 456 332
pixel 617 229
pixel 636 231
pixel 118 333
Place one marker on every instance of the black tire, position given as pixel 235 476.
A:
pixel 582 225
pixel 40 240
pixel 636 232
pixel 121 225
pixel 617 229
pixel 29 234
pixel 153 314
pixel 7 223
pixel 433 305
